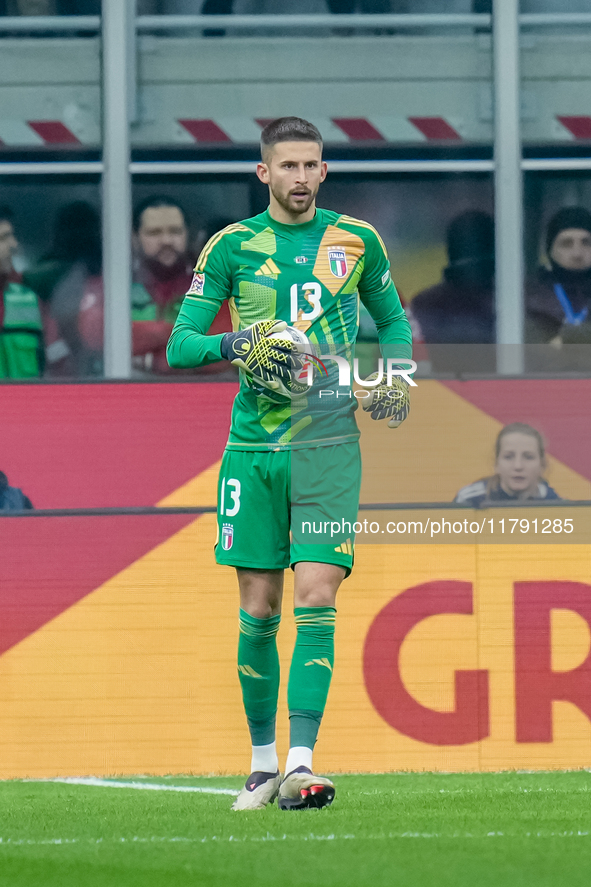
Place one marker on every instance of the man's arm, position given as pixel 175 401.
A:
pixel 189 345
pixel 378 294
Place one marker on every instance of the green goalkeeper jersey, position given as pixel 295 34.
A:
pixel 312 276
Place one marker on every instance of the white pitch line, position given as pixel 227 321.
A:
pixel 149 786
pixel 219 839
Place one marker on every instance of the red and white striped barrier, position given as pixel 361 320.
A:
pixel 246 130
pixel 577 126
pixel 343 130
pixel 32 133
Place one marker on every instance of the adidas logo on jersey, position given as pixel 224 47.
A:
pixel 268 269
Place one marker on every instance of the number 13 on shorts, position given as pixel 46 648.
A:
pixel 230 489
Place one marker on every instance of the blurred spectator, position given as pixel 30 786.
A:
pixel 21 323
pixel 31 7
pixel 163 270
pixel 520 462
pixel 79 7
pixel 51 7
pixel 460 311
pixel 62 277
pixel 554 6
pixel 558 298
pixel 348 7
pixel 11 498
pixel 199 7
pixel 162 274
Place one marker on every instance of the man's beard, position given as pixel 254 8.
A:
pixel 172 255
pixel 285 202
pixel 162 271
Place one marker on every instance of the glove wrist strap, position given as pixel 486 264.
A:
pixel 225 346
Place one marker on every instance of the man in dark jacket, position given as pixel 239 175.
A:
pixel 558 298
pixel 456 317
pixel 11 498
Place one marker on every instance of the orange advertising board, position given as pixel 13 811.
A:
pixel 449 657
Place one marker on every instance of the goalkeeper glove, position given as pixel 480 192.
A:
pixel 265 358
pixel 388 401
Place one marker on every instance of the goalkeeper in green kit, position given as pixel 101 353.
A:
pixel 292 464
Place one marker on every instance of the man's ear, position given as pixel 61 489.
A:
pixel 323 170
pixel 263 172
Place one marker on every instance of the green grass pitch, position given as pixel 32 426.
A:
pixel 449 830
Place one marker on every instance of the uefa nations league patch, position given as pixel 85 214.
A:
pixel 197 284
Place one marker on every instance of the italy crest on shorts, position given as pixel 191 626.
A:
pixel 227 536
pixel 337 259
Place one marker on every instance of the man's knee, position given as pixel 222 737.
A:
pixel 316 584
pixel 261 592
pixel 315 597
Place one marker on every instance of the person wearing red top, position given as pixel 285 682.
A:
pixel 162 274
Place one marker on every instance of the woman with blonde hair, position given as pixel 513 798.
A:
pixel 520 462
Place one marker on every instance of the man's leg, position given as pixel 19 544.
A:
pixel 316 585
pixel 261 592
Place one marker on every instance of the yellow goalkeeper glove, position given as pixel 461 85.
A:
pixel 262 357
pixel 388 401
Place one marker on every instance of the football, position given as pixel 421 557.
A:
pixel 297 385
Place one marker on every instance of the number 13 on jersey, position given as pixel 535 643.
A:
pixel 311 293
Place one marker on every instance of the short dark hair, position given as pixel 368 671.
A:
pixel 289 129
pixel 3 478
pixel 6 214
pixel 154 203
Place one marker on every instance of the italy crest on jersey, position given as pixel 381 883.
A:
pixel 227 536
pixel 337 259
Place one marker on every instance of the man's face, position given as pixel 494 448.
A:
pixel 294 171
pixel 8 246
pixel 572 249
pixel 162 235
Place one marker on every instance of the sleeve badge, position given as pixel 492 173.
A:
pixel 197 284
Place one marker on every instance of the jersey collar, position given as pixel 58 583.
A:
pixel 292 230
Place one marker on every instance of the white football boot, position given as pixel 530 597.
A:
pixel 301 789
pixel 259 790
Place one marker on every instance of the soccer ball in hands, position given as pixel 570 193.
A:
pixel 288 389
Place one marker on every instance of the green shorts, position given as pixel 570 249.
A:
pixel 278 508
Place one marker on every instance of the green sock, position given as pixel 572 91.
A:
pixel 258 670
pixel 310 673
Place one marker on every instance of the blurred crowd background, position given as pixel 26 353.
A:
pixel 203 93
